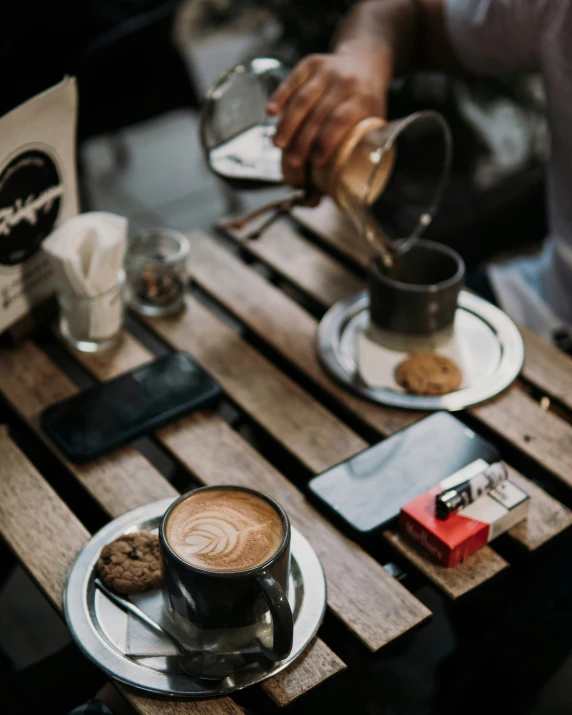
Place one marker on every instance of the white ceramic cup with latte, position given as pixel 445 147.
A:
pixel 226 559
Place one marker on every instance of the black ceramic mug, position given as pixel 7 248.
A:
pixel 414 309
pixel 227 608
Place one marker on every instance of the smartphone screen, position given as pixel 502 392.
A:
pixel 115 413
pixel 368 490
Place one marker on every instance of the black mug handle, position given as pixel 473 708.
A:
pixel 282 620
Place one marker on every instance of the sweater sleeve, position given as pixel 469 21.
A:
pixel 501 36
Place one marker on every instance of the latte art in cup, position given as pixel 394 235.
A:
pixel 224 530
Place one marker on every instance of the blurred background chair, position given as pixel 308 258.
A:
pixel 121 51
pixel 130 69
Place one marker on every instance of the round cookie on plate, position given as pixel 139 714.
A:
pixel 131 564
pixel 429 374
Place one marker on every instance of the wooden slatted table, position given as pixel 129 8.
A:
pixel 251 320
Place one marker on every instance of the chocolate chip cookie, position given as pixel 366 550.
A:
pixel 429 374
pixel 131 564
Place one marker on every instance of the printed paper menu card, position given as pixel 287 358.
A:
pixel 38 190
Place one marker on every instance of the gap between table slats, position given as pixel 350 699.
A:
pixel 291 330
pixel 372 604
pixel 335 229
pixel 125 480
pixel 46 537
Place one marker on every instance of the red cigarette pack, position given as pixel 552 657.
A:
pixel 452 540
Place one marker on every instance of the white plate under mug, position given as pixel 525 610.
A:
pixel 100 628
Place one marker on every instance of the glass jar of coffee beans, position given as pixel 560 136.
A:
pixel 156 270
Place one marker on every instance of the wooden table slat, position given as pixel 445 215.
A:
pixel 123 480
pixel 372 604
pixel 540 434
pixel 46 536
pixel 303 264
pixel 281 322
pixel 43 533
pixel 477 569
pixel 547 517
pixel 295 419
pixel 151 706
pixel 547 367
pixel 297 679
pixel 257 303
pixel 335 229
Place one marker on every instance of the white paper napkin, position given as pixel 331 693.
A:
pixel 377 364
pixel 87 252
pixel 143 640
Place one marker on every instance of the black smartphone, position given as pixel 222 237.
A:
pixel 368 490
pixel 114 413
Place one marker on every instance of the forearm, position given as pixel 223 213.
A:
pixel 326 95
pixel 387 29
pixel 409 34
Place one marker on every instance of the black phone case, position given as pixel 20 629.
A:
pixel 207 398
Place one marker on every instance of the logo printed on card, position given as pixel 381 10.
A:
pixel 31 192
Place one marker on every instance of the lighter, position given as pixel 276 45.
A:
pixel 449 502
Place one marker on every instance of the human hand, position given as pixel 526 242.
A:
pixel 324 97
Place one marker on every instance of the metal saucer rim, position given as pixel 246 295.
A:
pixel 334 322
pixel 105 655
